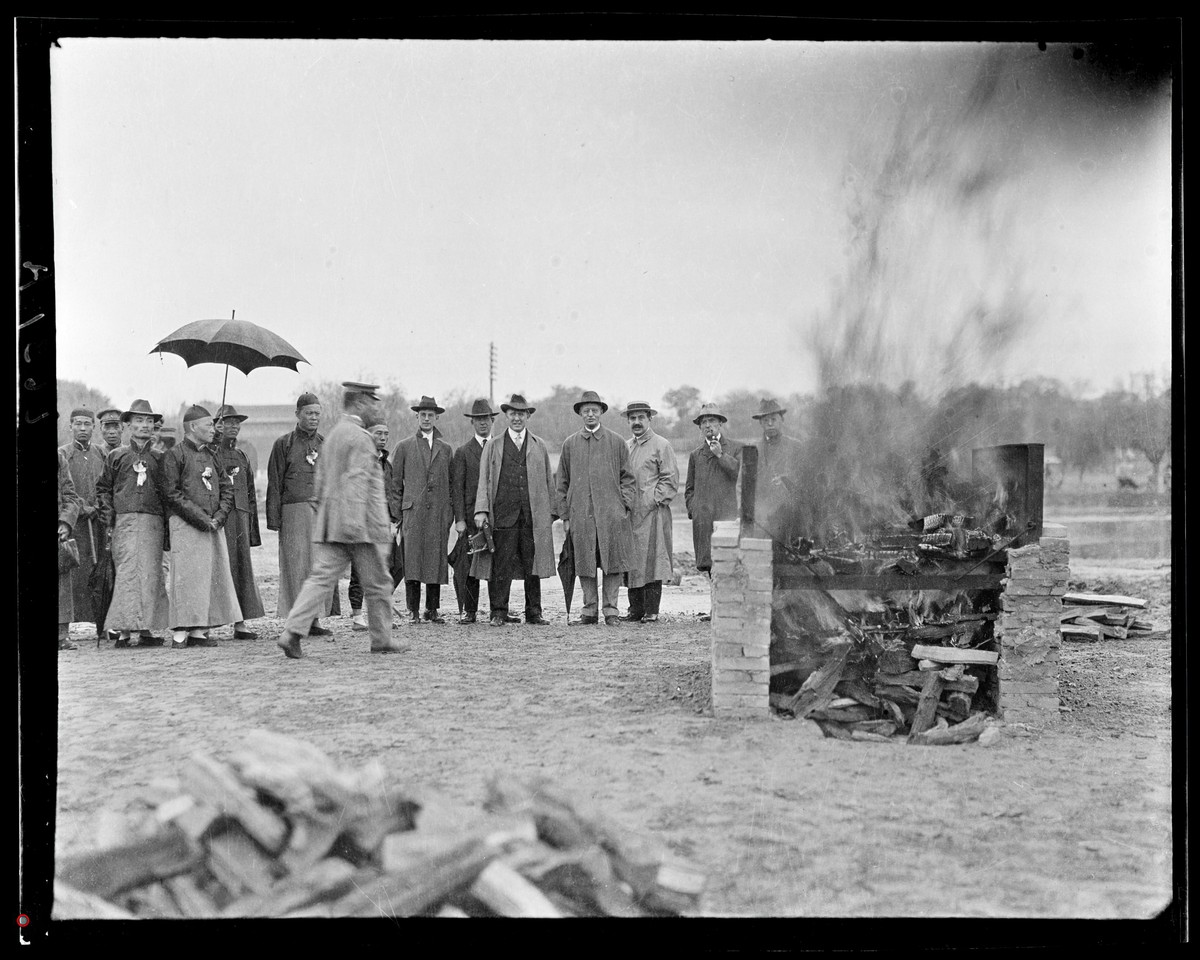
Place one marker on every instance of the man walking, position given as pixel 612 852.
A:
pixel 128 494
pixel 780 459
pixel 596 491
pixel 241 530
pixel 351 526
pixel 85 460
pixel 652 463
pixel 291 505
pixel 464 487
pixel 199 497
pixel 515 496
pixel 379 436
pixel 711 489
pixel 421 494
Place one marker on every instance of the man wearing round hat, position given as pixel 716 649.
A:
pixel 85 460
pixel 464 486
pixel 111 430
pixel 199 499
pixel 131 506
pixel 515 497
pixel 421 494
pixel 596 494
pixel 291 505
pixel 351 526
pixel 652 463
pixel 241 530
pixel 711 489
pixel 780 458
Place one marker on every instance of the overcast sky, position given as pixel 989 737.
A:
pixel 624 216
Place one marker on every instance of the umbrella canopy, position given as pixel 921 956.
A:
pixel 566 573
pixel 237 343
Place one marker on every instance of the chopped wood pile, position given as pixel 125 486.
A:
pixel 924 669
pixel 280 831
pixel 1089 617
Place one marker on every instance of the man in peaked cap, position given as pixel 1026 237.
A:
pixel 351 526
pixel 780 459
pixel 241 530
pixel 464 486
pixel 652 463
pixel 131 506
pixel 515 496
pixel 421 495
pixel 85 460
pixel 292 505
pixel 199 497
pixel 111 430
pixel 711 489
pixel 596 493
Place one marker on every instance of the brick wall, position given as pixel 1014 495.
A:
pixel 741 623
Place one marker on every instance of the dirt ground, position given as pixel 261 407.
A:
pixel 1069 820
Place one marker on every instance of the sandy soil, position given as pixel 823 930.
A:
pixel 1071 820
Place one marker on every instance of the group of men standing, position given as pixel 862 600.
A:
pixel 195 504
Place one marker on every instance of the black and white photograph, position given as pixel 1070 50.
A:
pixel 550 475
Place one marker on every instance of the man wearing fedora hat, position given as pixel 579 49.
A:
pixel 199 497
pixel 515 496
pixel 241 530
pixel 85 460
pixel 596 493
pixel 351 526
pixel 780 458
pixel 711 489
pixel 291 505
pixel 464 485
pixel 652 462
pixel 111 430
pixel 420 493
pixel 131 506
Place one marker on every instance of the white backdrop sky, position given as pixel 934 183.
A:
pixel 625 216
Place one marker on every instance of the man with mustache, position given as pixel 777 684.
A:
pixel 780 458
pixel 711 489
pixel 652 462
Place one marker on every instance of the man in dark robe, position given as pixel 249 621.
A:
pixel 86 462
pixel 69 506
pixel 241 530
pixel 596 491
pixel 131 507
pixel 464 485
pixel 291 505
pixel 379 436
pixel 515 496
pixel 780 459
pixel 711 489
pixel 421 494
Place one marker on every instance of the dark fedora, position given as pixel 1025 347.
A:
pixel 109 415
pixel 428 403
pixel 226 412
pixel 353 386
pixel 591 396
pixel 516 402
pixel 639 406
pixel 768 406
pixel 710 410
pixel 481 408
pixel 140 408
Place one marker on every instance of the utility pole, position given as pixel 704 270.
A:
pixel 492 374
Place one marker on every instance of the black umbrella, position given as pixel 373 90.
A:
pixel 235 343
pixel 460 561
pixel 102 580
pixel 566 572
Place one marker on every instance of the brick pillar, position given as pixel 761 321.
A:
pixel 741 623
pixel 1028 627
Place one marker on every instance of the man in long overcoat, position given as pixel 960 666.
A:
pixel 86 462
pixel 241 530
pixel 131 506
pixel 464 486
pixel 379 436
pixel 711 489
pixel 291 505
pixel 652 462
pixel 421 494
pixel 351 526
pixel 596 493
pixel 515 497
pixel 199 496
pixel 780 459
pixel 69 506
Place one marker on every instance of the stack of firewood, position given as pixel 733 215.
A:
pixel 1098 616
pixel 280 831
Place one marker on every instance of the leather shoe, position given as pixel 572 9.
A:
pixel 113 634
pixel 392 647
pixel 509 618
pixel 467 618
pixel 244 635
pixel 414 618
pixel 498 621
pixel 537 621
pixel 201 642
pixel 147 640
pixel 432 616
pixel 650 618
pixel 584 621
pixel 289 643
pixel 612 621
pixel 319 631
pixel 122 643
pixel 705 617
pixel 630 618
